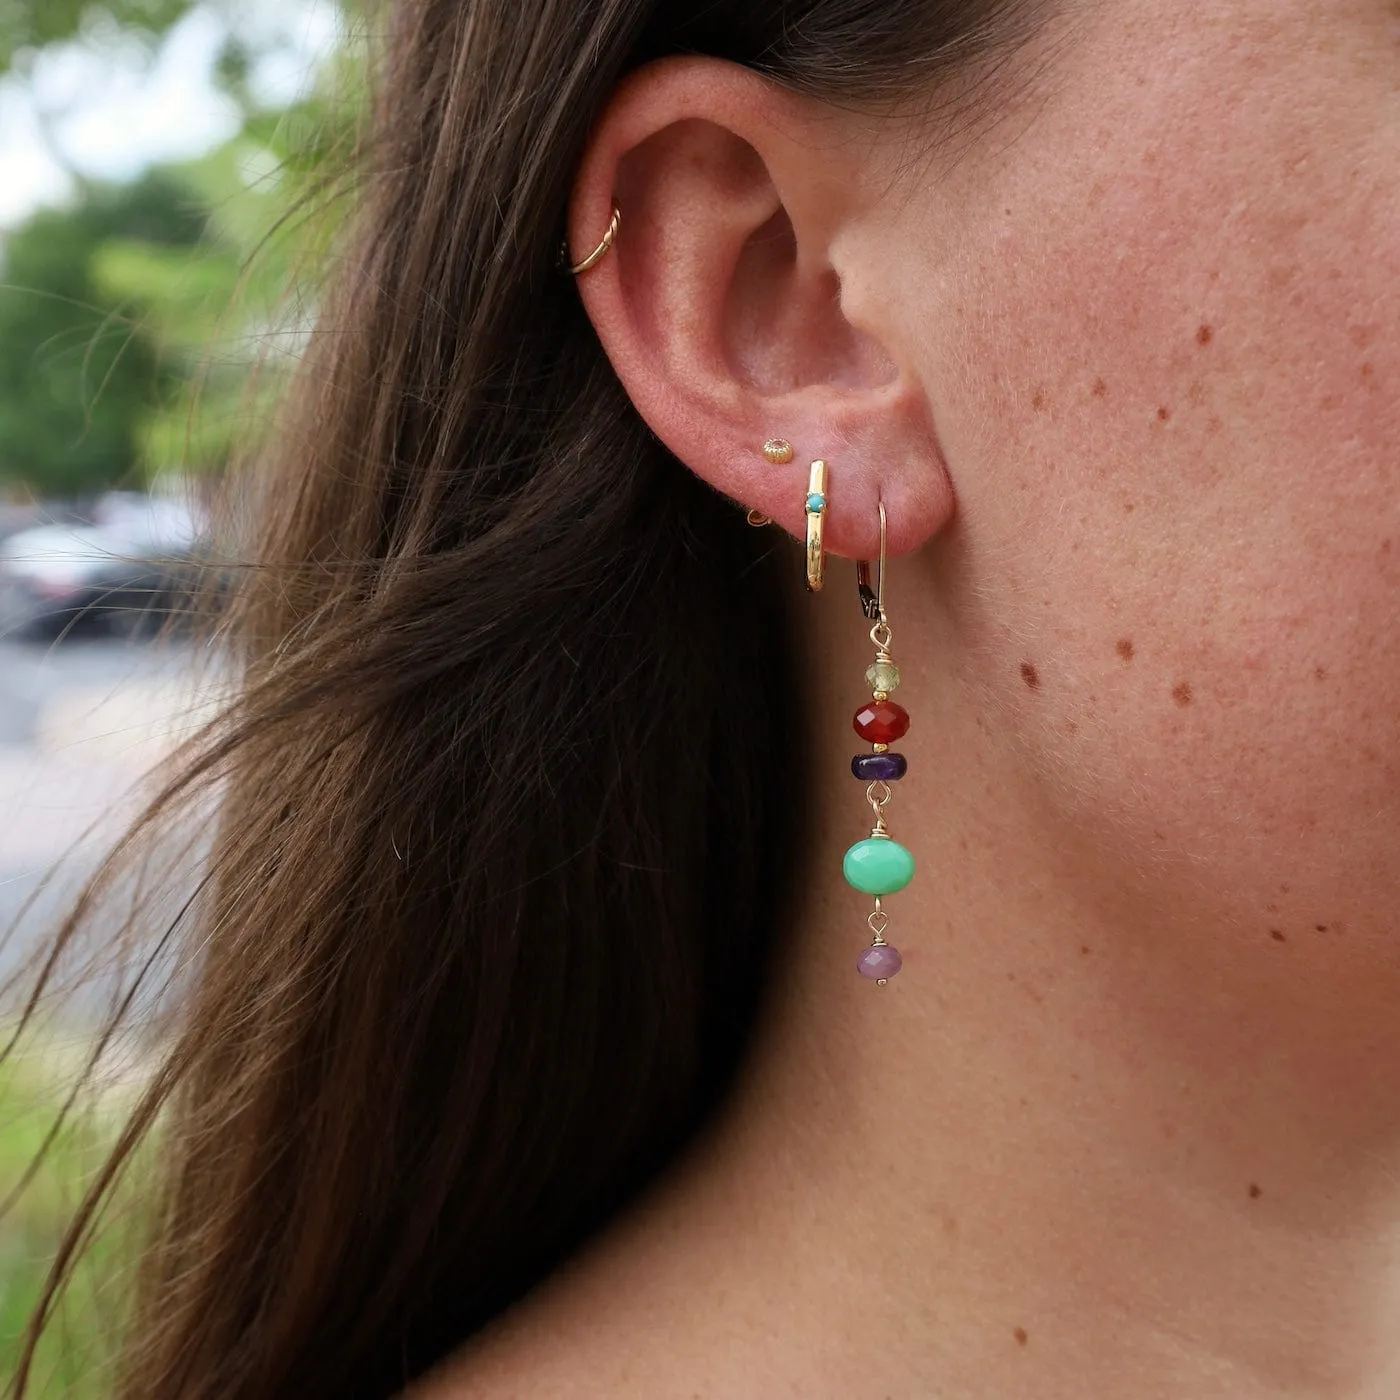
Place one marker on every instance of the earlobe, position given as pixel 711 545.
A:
pixel 719 303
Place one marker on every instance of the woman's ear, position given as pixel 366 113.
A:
pixel 742 299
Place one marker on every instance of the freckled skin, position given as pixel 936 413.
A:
pixel 1197 312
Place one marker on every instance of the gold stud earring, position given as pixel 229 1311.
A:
pixel 779 452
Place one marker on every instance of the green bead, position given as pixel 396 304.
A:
pixel 882 675
pixel 878 866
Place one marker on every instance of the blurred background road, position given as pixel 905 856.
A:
pixel 80 722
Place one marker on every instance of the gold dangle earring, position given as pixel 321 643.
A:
pixel 879 865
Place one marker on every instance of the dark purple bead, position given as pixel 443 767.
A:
pixel 879 767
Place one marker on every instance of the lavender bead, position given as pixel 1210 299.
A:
pixel 879 962
pixel 879 767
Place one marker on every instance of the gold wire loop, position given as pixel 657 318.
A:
pixel 879 921
pixel 878 803
pixel 757 518
pixel 597 255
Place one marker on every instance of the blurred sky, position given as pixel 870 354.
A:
pixel 108 107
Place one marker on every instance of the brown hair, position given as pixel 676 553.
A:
pixel 511 795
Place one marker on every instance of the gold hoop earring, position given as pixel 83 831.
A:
pixel 816 525
pixel 598 254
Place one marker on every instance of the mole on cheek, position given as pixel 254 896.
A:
pixel 1100 388
pixel 1181 693
pixel 1255 1190
pixel 1277 935
pixel 1038 402
pixel 1204 336
pixel 1163 414
pixel 1022 1336
pixel 1030 675
pixel 1126 648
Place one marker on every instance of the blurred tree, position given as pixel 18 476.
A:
pixel 26 25
pixel 78 375
pixel 228 311
pixel 232 313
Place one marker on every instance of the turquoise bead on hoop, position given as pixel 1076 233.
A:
pixel 878 865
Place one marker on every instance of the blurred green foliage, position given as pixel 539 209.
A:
pixel 146 331
pixel 231 313
pixel 77 1351
pixel 79 376
pixel 26 25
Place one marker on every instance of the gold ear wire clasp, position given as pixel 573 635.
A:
pixel 872 600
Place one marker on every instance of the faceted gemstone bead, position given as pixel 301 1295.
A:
pixel 879 767
pixel 878 865
pixel 882 675
pixel 879 962
pixel 882 721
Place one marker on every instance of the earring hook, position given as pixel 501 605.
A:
pixel 872 602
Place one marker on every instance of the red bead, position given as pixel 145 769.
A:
pixel 882 721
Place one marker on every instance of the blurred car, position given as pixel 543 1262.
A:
pixel 125 569
pixel 14 518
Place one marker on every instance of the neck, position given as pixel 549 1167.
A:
pixel 1095 1138
pixel 1104 1134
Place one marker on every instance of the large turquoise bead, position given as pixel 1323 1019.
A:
pixel 878 866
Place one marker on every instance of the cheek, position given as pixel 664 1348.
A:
pixel 1173 423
